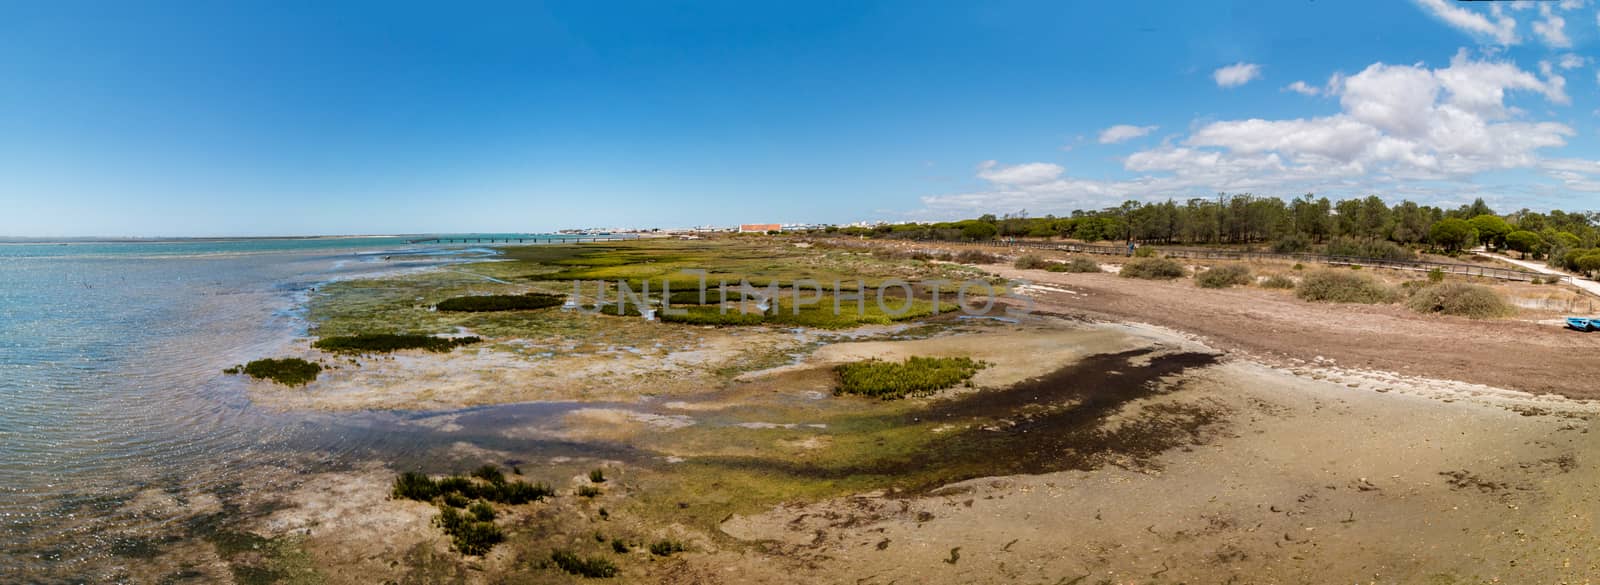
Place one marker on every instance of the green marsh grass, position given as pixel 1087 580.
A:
pixel 494 303
pixel 912 377
pixel 390 342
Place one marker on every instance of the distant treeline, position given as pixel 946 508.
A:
pixel 1367 226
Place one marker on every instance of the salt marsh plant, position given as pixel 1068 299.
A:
pixel 1224 276
pixel 1029 262
pixel 1330 286
pixel 286 371
pixel 390 342
pixel 588 491
pixel 1077 265
pixel 468 535
pixel 914 376
pixel 461 489
pixel 492 303
pixel 1461 299
pixel 666 548
pixel 591 568
pixel 597 476
pixel 1153 269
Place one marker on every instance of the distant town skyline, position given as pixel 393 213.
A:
pixel 237 119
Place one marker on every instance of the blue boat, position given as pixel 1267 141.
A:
pixel 1582 324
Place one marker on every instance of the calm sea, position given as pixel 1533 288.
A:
pixel 111 386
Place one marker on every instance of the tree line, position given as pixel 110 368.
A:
pixel 1366 226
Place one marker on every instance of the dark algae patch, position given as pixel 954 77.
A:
pixel 286 371
pixel 1056 422
pixel 389 342
pixel 493 303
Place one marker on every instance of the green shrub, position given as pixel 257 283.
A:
pixel 1436 276
pixel 412 485
pixel 1144 252
pixel 591 568
pixel 1225 276
pixel 1153 269
pixel 977 257
pixel 597 475
pixel 388 342
pixel 914 376
pixel 286 371
pixel 1029 262
pixel 1299 266
pixel 1466 300
pixel 1078 265
pixel 481 511
pixel 588 491
pixel 458 491
pixel 1343 287
pixel 490 303
pixel 490 473
pixel 665 548
pixel 467 535
pixel 619 547
pixel 1292 244
pixel 1277 281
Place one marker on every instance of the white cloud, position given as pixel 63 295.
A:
pixel 1023 174
pixel 1553 29
pixel 1302 88
pixel 1572 61
pixel 1123 133
pixel 1236 74
pixel 1404 130
pixel 1498 26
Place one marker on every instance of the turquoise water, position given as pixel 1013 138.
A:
pixel 111 387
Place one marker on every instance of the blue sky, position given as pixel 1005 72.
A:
pixel 239 118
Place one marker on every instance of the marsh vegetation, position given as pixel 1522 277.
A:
pixel 912 377
pixel 493 303
pixel 286 371
pixel 390 342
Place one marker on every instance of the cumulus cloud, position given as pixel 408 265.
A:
pixel 1236 74
pixel 1302 88
pixel 1123 133
pixel 1023 174
pixel 1497 26
pixel 1572 61
pixel 1553 29
pixel 1407 130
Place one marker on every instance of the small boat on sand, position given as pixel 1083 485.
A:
pixel 1582 324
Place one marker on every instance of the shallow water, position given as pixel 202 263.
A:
pixel 110 383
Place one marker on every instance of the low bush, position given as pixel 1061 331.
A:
pixel 491 303
pixel 481 511
pixel 1153 269
pixel 490 473
pixel 389 342
pixel 619 547
pixel 1078 265
pixel 460 490
pixel 1277 281
pixel 1331 286
pixel 977 257
pixel 1465 300
pixel 286 371
pixel 666 548
pixel 1292 244
pixel 1225 276
pixel 1144 252
pixel 468 535
pixel 915 375
pixel 1029 262
pixel 588 491
pixel 597 475
pixel 591 568
pixel 1436 276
